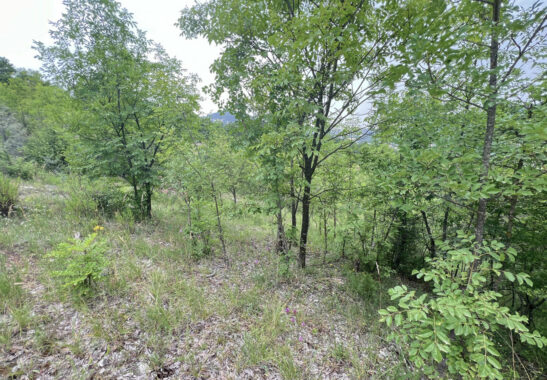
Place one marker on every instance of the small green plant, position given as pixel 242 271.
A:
pixel 9 191
pixel 458 324
pixel 200 238
pixel 11 294
pixel 20 168
pixel 109 200
pixel 80 264
pixel 362 284
pixel 94 198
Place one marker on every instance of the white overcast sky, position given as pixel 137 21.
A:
pixel 22 21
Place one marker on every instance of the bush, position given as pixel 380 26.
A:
pixel 457 327
pixel 109 200
pixel 79 264
pixel 200 236
pixel 361 284
pixel 17 168
pixel 9 191
pixel 98 198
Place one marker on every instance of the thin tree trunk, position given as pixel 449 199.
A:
pixel 325 236
pixel 490 120
pixel 334 222
pixel 281 245
pixel 445 223
pixel 431 247
pixel 234 195
pixel 294 210
pixel 148 200
pixel 372 235
pixel 306 198
pixel 219 225
pixel 188 209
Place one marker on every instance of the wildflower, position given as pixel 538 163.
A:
pixel 98 228
pixel 294 311
pixel 256 262
pixel 287 310
pixel 300 338
pixel 293 320
pixel 303 324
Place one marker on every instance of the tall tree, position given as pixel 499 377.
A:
pixel 135 93
pixel 318 61
pixel 481 54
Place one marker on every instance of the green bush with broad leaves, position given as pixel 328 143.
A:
pixel 80 264
pixel 9 191
pixel 456 325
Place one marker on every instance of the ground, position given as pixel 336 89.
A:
pixel 163 313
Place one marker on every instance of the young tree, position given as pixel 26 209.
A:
pixel 317 61
pixel 133 91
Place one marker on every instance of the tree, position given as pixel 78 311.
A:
pixel 467 56
pixel 477 53
pixel 6 70
pixel 134 93
pixel 311 64
pixel 42 115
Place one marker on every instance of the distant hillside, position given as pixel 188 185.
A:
pixel 226 118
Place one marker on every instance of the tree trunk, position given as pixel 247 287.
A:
pixel 445 223
pixel 219 224
pixel 325 236
pixel 334 222
pixel 431 247
pixel 306 199
pixel 373 233
pixel 281 245
pixel 490 120
pixel 148 200
pixel 234 195
pixel 188 209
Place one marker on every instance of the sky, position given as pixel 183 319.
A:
pixel 22 21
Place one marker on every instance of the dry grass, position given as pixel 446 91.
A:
pixel 163 314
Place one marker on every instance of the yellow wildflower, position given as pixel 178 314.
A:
pixel 98 228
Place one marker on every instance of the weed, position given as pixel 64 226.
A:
pixel 9 192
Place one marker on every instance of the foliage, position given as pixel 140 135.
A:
pixel 362 284
pixel 305 67
pixel 18 168
pixel 134 95
pixel 458 322
pixel 6 70
pixel 389 135
pixel 9 191
pixel 80 264
pixel 98 198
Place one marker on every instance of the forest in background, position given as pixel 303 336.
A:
pixel 400 144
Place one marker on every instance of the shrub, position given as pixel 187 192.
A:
pixel 361 284
pixel 109 200
pixel 20 168
pixel 79 264
pixel 97 198
pixel 9 191
pixel 457 326
pixel 81 204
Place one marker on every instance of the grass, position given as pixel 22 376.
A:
pixel 161 308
